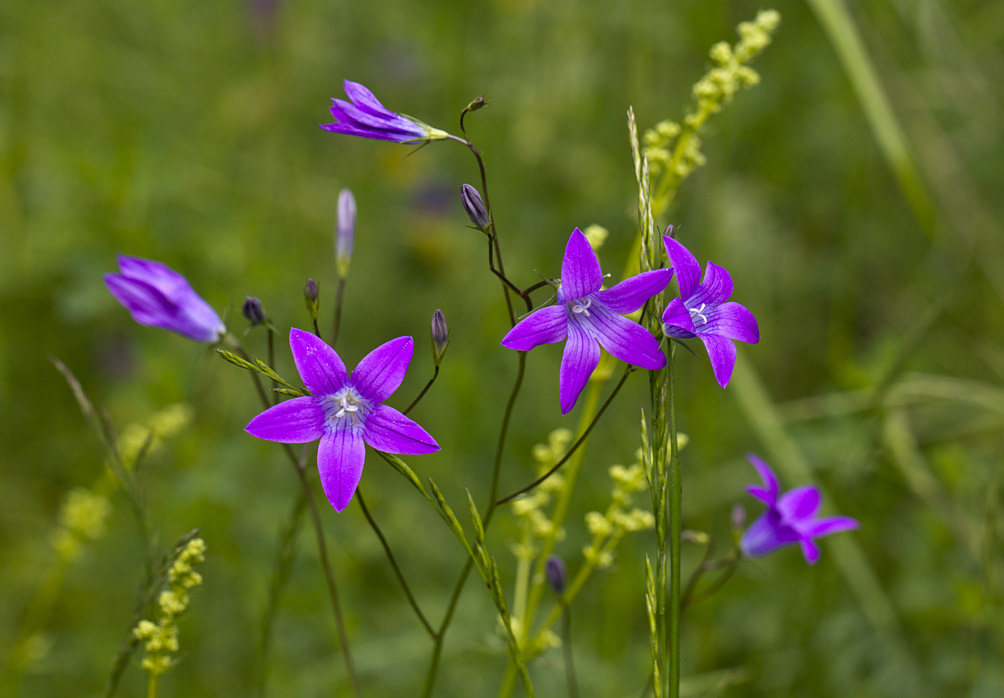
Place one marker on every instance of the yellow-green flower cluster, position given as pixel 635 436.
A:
pixel 81 518
pixel 530 510
pixel 621 517
pixel 675 149
pixel 163 425
pixel 160 639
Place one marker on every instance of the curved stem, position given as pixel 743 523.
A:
pixel 575 446
pixel 435 374
pixel 393 563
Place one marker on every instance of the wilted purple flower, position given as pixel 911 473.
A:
pixel 701 310
pixel 157 296
pixel 346 238
pixel 366 117
pixel 586 317
pixel 788 519
pixel 344 412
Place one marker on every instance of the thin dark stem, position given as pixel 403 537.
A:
pixel 254 378
pixel 575 446
pixel 435 374
pixel 437 650
pixel 730 565
pixel 339 295
pixel 530 289
pixel 329 576
pixel 393 563
pixel 317 330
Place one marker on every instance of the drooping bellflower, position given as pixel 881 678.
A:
pixel 587 317
pixel 790 518
pixel 702 311
pixel 157 296
pixel 366 117
pixel 344 411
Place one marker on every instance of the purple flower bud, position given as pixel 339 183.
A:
pixel 253 311
pixel 157 296
pixel 346 237
pixel 310 294
pixel 474 206
pixel 738 517
pixel 440 336
pixel 557 575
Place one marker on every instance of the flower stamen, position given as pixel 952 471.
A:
pixel 696 313
pixel 581 306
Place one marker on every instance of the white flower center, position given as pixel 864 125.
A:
pixel 697 315
pixel 347 403
pixel 581 306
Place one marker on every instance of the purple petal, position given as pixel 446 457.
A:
pixel 733 321
pixel 631 294
pixel 768 493
pixel 677 321
pixel 295 421
pixel 799 503
pixel 828 525
pixel 580 270
pixel 810 550
pixel 171 305
pixel 166 280
pixel 688 271
pixel 364 99
pixel 319 366
pixel 722 353
pixel 765 535
pixel 624 339
pixel 581 356
pixel 340 458
pixel 715 289
pixel 542 326
pixel 390 431
pixel 395 127
pixel 381 371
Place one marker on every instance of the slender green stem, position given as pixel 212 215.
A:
pixel 675 526
pixel 151 685
pixel 339 296
pixel 566 646
pixel 435 374
pixel 393 563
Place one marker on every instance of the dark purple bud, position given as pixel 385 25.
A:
pixel 474 206
pixel 440 336
pixel 253 311
pixel 670 231
pixel 311 294
pixel 557 575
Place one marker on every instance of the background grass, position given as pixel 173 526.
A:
pixel 186 132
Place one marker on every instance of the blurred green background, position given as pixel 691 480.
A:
pixel 187 132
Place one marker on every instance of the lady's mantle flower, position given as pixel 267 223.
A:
pixel 366 117
pixel 344 412
pixel 701 311
pixel 158 296
pixel 788 519
pixel 586 317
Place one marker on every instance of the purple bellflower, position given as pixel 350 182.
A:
pixel 587 317
pixel 344 412
pixel 702 311
pixel 790 518
pixel 157 296
pixel 367 118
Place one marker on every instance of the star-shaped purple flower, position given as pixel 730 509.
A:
pixel 157 296
pixel 344 412
pixel 788 519
pixel 701 311
pixel 587 317
pixel 366 117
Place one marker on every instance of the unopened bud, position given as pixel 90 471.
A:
pixel 670 231
pixel 557 575
pixel 738 517
pixel 474 207
pixel 253 311
pixel 476 104
pixel 311 294
pixel 346 236
pixel 440 336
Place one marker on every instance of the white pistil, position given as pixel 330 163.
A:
pixel 698 313
pixel 581 306
pixel 349 403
